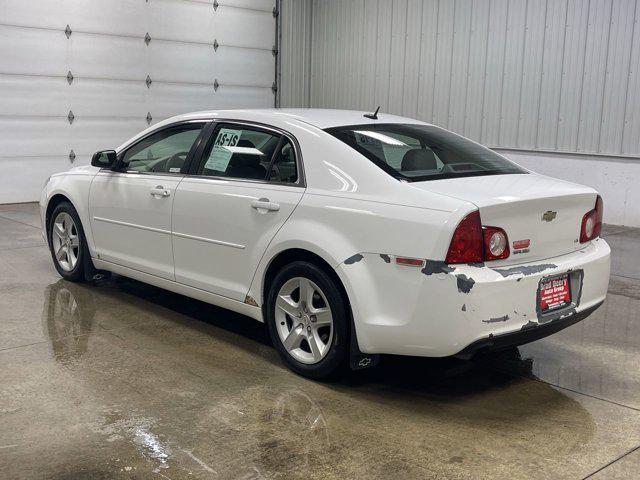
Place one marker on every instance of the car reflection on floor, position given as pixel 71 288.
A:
pixel 107 381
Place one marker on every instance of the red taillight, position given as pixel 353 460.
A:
pixel 472 242
pixel 466 245
pixel 592 222
pixel 496 243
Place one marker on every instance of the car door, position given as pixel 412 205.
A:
pixel 130 206
pixel 246 184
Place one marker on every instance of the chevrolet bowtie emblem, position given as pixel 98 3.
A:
pixel 549 215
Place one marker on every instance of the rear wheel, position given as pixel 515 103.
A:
pixel 308 320
pixel 67 243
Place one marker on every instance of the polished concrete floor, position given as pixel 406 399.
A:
pixel 123 380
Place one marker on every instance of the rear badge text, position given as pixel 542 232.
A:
pixel 521 246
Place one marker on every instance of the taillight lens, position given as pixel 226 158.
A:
pixel 496 243
pixel 472 242
pixel 592 222
pixel 466 244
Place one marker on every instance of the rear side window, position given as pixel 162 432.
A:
pixel 283 168
pixel 239 151
pixel 423 152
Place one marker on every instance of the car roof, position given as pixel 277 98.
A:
pixel 280 117
pixel 321 118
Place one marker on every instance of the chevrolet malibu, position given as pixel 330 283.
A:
pixel 350 234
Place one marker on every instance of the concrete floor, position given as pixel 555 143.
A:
pixel 123 380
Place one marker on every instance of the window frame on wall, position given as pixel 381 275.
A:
pixel 210 137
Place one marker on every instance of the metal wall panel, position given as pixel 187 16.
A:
pixel 572 75
pixel 189 45
pixel 617 77
pixel 295 53
pixel 539 75
pixel 631 132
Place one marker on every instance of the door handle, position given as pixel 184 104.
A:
pixel 160 191
pixel 264 205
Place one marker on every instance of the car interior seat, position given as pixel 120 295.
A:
pixel 419 159
pixel 244 165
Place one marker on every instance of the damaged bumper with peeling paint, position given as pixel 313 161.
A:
pixel 443 310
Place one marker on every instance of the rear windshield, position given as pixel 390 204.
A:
pixel 422 152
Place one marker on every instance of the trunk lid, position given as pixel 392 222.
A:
pixel 545 211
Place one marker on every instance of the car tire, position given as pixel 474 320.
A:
pixel 68 245
pixel 312 337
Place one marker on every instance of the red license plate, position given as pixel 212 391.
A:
pixel 555 293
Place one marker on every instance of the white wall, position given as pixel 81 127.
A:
pixel 109 59
pixel 617 179
pixel 527 75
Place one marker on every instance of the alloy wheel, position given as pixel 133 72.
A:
pixel 304 321
pixel 65 241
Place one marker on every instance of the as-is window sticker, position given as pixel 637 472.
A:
pixel 220 153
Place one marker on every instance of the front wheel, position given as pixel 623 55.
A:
pixel 67 243
pixel 308 320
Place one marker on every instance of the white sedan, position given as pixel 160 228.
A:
pixel 350 234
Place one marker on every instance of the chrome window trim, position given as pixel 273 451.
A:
pixel 135 172
pixel 132 225
pixel 209 240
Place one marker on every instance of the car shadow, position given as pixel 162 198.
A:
pixel 70 309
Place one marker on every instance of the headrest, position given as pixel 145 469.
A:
pixel 244 159
pixel 419 159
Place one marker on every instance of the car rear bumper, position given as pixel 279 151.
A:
pixel 525 334
pixel 441 311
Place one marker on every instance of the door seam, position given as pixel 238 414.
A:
pixel 173 255
pixel 270 242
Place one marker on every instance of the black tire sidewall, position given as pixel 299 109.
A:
pixel 335 359
pixel 77 274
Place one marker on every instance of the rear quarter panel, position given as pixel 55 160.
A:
pixel 352 208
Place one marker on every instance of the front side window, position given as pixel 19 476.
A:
pixel 164 151
pixel 239 151
pixel 423 152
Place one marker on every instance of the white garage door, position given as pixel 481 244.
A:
pixel 78 76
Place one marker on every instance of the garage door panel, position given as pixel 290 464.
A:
pixel 198 22
pixel 266 5
pixel 251 67
pixel 109 62
pixel 34 136
pixel 109 98
pixel 229 23
pixel 32 51
pixel 108 57
pixel 182 62
pixel 186 21
pixel 33 95
pixel 169 100
pixel 112 16
pixel 238 97
pixel 92 134
pixel 22 178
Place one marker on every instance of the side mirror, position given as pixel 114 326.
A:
pixel 104 159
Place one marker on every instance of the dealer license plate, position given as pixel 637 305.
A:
pixel 555 293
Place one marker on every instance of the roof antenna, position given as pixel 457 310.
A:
pixel 374 115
